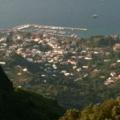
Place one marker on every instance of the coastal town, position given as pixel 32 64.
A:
pixel 53 55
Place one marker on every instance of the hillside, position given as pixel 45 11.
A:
pixel 23 105
pixel 73 70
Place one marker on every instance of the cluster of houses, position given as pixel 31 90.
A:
pixel 112 78
pixel 62 56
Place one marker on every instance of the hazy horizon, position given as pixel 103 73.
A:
pixel 74 13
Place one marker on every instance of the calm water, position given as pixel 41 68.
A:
pixel 73 13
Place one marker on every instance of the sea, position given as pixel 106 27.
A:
pixel 100 17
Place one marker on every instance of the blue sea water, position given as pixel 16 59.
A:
pixel 72 13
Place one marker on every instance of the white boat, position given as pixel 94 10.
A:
pixel 94 16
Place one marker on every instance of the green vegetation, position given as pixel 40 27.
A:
pixel 108 110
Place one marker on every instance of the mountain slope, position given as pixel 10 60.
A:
pixel 23 105
pixel 5 84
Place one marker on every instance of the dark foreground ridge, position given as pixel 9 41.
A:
pixel 22 105
pixel 5 83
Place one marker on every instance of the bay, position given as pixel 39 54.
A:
pixel 72 13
